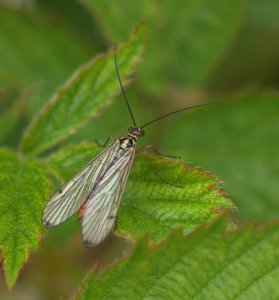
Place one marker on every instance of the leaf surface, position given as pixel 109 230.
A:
pixel 160 195
pixel 24 190
pixel 11 115
pixel 238 142
pixel 33 54
pixel 252 58
pixel 186 37
pixel 208 264
pixel 83 96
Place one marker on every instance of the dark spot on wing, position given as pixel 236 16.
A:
pixel 88 244
pixel 47 223
pixel 60 191
pixel 111 217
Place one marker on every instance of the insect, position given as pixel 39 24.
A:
pixel 95 192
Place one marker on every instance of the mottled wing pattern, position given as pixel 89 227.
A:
pixel 101 208
pixel 70 197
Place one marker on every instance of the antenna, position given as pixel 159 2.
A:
pixel 122 89
pixel 177 111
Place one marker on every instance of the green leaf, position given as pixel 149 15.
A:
pixel 238 142
pixel 160 195
pixel 10 117
pixel 34 54
pixel 84 26
pixel 208 264
pixel 83 96
pixel 24 190
pixel 263 14
pixel 252 57
pixel 187 38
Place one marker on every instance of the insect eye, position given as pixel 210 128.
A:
pixel 136 131
pixel 133 130
pixel 142 132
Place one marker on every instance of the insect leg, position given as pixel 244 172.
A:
pixel 103 145
pixel 157 152
pixel 166 155
pixel 147 154
pixel 142 149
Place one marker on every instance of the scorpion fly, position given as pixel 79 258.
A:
pixel 95 191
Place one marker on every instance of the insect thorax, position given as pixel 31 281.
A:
pixel 127 142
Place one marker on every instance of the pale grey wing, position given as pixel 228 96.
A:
pixel 101 209
pixel 70 197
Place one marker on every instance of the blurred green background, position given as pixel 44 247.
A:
pixel 198 51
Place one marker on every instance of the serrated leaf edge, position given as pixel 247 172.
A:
pixel 65 85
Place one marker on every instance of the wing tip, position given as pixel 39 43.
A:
pixel 47 223
pixel 88 244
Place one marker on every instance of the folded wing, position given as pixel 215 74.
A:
pixel 70 197
pixel 100 211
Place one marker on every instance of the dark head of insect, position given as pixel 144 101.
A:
pixel 136 132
